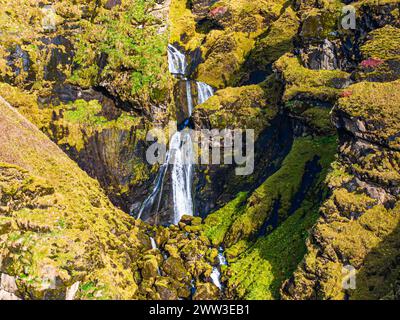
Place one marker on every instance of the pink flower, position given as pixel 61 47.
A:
pixel 371 63
pixel 346 93
pixel 218 11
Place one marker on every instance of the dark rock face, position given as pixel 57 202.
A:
pixel 322 57
pixel 364 204
pixel 112 3
pixel 216 185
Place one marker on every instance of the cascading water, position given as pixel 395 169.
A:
pixel 177 61
pixel 182 173
pixel 215 275
pixel 205 92
pixel 180 154
pixel 153 243
pixel 150 203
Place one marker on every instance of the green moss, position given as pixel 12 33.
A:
pixel 120 35
pixel 320 23
pixel 384 44
pixel 318 118
pixel 251 107
pixel 260 271
pixel 302 82
pixel 183 26
pixel 375 103
pixel 64 224
pixel 277 41
pixel 280 188
pixel 217 224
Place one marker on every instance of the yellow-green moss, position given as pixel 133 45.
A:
pixel 375 103
pixel 67 230
pixel 304 82
pixel 278 39
pixel 384 44
pixel 247 107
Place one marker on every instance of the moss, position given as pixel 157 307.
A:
pixel 302 82
pixel 225 53
pixel 277 41
pixel 141 51
pixel 65 231
pixel 320 23
pixel 319 118
pixel 217 224
pixel 251 107
pixel 259 272
pixel 279 190
pixel 377 105
pixel 183 26
pixel 224 49
pixel 384 44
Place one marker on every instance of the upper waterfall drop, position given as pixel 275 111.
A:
pixel 176 61
pixel 205 92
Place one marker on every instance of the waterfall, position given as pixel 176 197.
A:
pixel 180 154
pixel 221 259
pixel 189 97
pixel 153 243
pixel 215 275
pixel 148 205
pixel 204 92
pixel 176 60
pixel 182 172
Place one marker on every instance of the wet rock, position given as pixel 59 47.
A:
pixel 322 57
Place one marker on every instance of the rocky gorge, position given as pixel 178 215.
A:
pixel 83 215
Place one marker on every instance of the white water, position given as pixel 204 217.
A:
pixel 148 204
pixel 153 243
pixel 205 92
pixel 177 61
pixel 215 275
pixel 189 97
pixel 180 153
pixel 181 147
pixel 221 259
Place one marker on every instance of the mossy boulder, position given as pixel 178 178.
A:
pixel 236 108
pixel 371 112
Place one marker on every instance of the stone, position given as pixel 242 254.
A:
pixel 71 291
pixel 150 268
pixel 206 291
pixel 8 283
pixel 4 295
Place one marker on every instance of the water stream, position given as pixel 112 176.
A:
pixel 180 154
pixel 205 92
